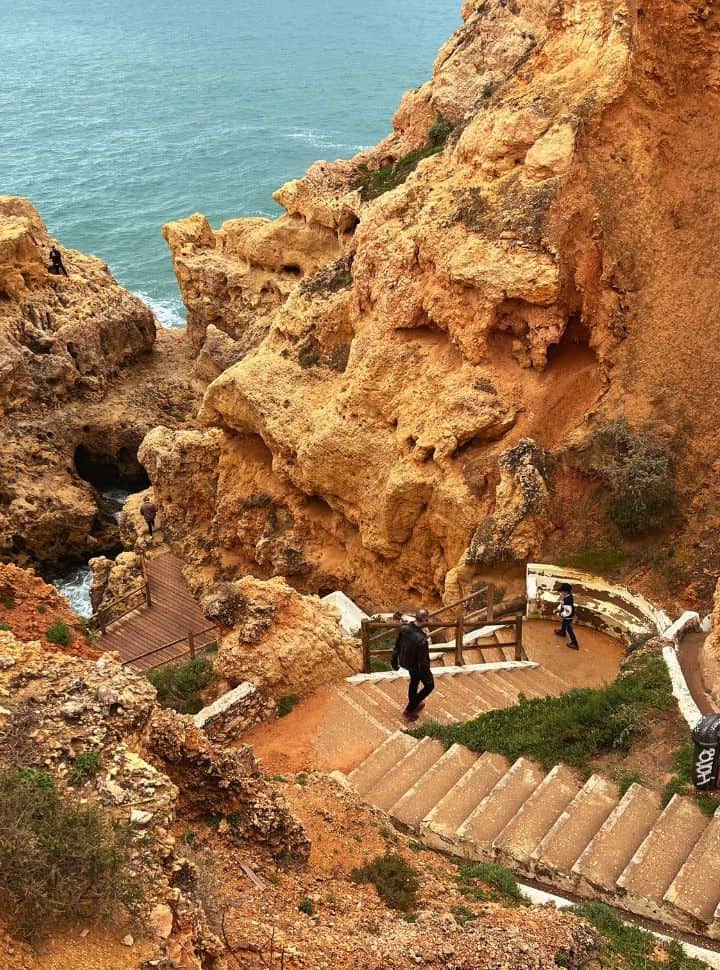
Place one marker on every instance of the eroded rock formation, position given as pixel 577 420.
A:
pixel 517 260
pixel 85 373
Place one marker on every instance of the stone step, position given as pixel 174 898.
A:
pixel 371 728
pixel 505 635
pixel 533 820
pixel 492 814
pixel 695 890
pixel 554 684
pixel 505 696
pixel 525 681
pixel 396 693
pixel 571 834
pixel 617 840
pixel 439 827
pixel 471 687
pixel 482 685
pixel 415 804
pixel 400 778
pixel 658 860
pixel 492 652
pixel 454 698
pixel 371 770
pixel 376 701
pixel 508 682
pixel 444 698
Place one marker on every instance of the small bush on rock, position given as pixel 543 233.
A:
pixel 638 473
pixel 179 686
pixel 59 632
pixel 60 861
pixel 396 880
pixel 498 879
pixel 86 766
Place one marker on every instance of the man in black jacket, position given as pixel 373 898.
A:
pixel 412 651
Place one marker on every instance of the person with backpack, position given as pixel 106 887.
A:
pixel 148 510
pixel 566 611
pixel 412 651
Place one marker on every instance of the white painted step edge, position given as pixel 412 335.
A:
pixel 445 671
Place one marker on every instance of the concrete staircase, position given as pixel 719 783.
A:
pixel 578 837
pixel 460 694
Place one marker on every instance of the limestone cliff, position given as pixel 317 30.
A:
pixel 529 255
pixel 85 373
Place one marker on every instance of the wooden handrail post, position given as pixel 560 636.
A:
pixel 146 580
pixel 459 634
pixel 365 639
pixel 490 602
pixel 103 624
pixel 191 643
pixel 518 637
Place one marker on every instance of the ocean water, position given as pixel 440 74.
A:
pixel 119 116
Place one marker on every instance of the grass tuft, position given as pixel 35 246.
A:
pixel 287 704
pixel 86 766
pixel 636 949
pixel 59 632
pixel 395 880
pixel 498 879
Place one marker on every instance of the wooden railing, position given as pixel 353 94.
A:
pixel 116 608
pixel 193 639
pixel 491 613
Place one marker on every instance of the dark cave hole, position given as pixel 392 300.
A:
pixel 119 470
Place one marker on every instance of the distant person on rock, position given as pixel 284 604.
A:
pixel 566 611
pixel 412 651
pixel 57 267
pixel 148 510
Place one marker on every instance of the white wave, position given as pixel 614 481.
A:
pixel 322 139
pixel 170 313
pixel 75 587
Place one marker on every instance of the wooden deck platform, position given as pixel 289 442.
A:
pixel 158 634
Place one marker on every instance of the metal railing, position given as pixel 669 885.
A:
pixel 490 613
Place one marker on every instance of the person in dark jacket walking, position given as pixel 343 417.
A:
pixel 148 510
pixel 412 651
pixel 566 611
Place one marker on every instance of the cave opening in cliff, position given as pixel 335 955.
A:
pixel 105 469
pixel 573 347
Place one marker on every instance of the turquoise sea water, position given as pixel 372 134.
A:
pixel 119 116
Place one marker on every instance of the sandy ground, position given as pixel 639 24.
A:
pixel 597 662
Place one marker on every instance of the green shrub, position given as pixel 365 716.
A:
pixel 573 728
pixel 41 608
pixel 8 602
pixel 287 703
pixel 306 906
pixel 463 915
pixel 179 686
pixel 497 878
pixel 628 780
pixel 59 632
pixel 394 879
pixel 86 766
pixel 634 947
pixel 374 182
pixel 60 861
pixel 604 560
pixel 638 474
pixel 4 627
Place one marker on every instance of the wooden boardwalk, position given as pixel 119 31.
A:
pixel 158 634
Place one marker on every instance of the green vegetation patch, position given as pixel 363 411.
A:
pixel 60 861
pixel 639 476
pixel 489 880
pixel 306 906
pixel 630 948
pixel 86 766
pixel 179 686
pixel 604 560
pixel 59 632
pixel 395 880
pixel 376 181
pixel 573 728
pixel 287 703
